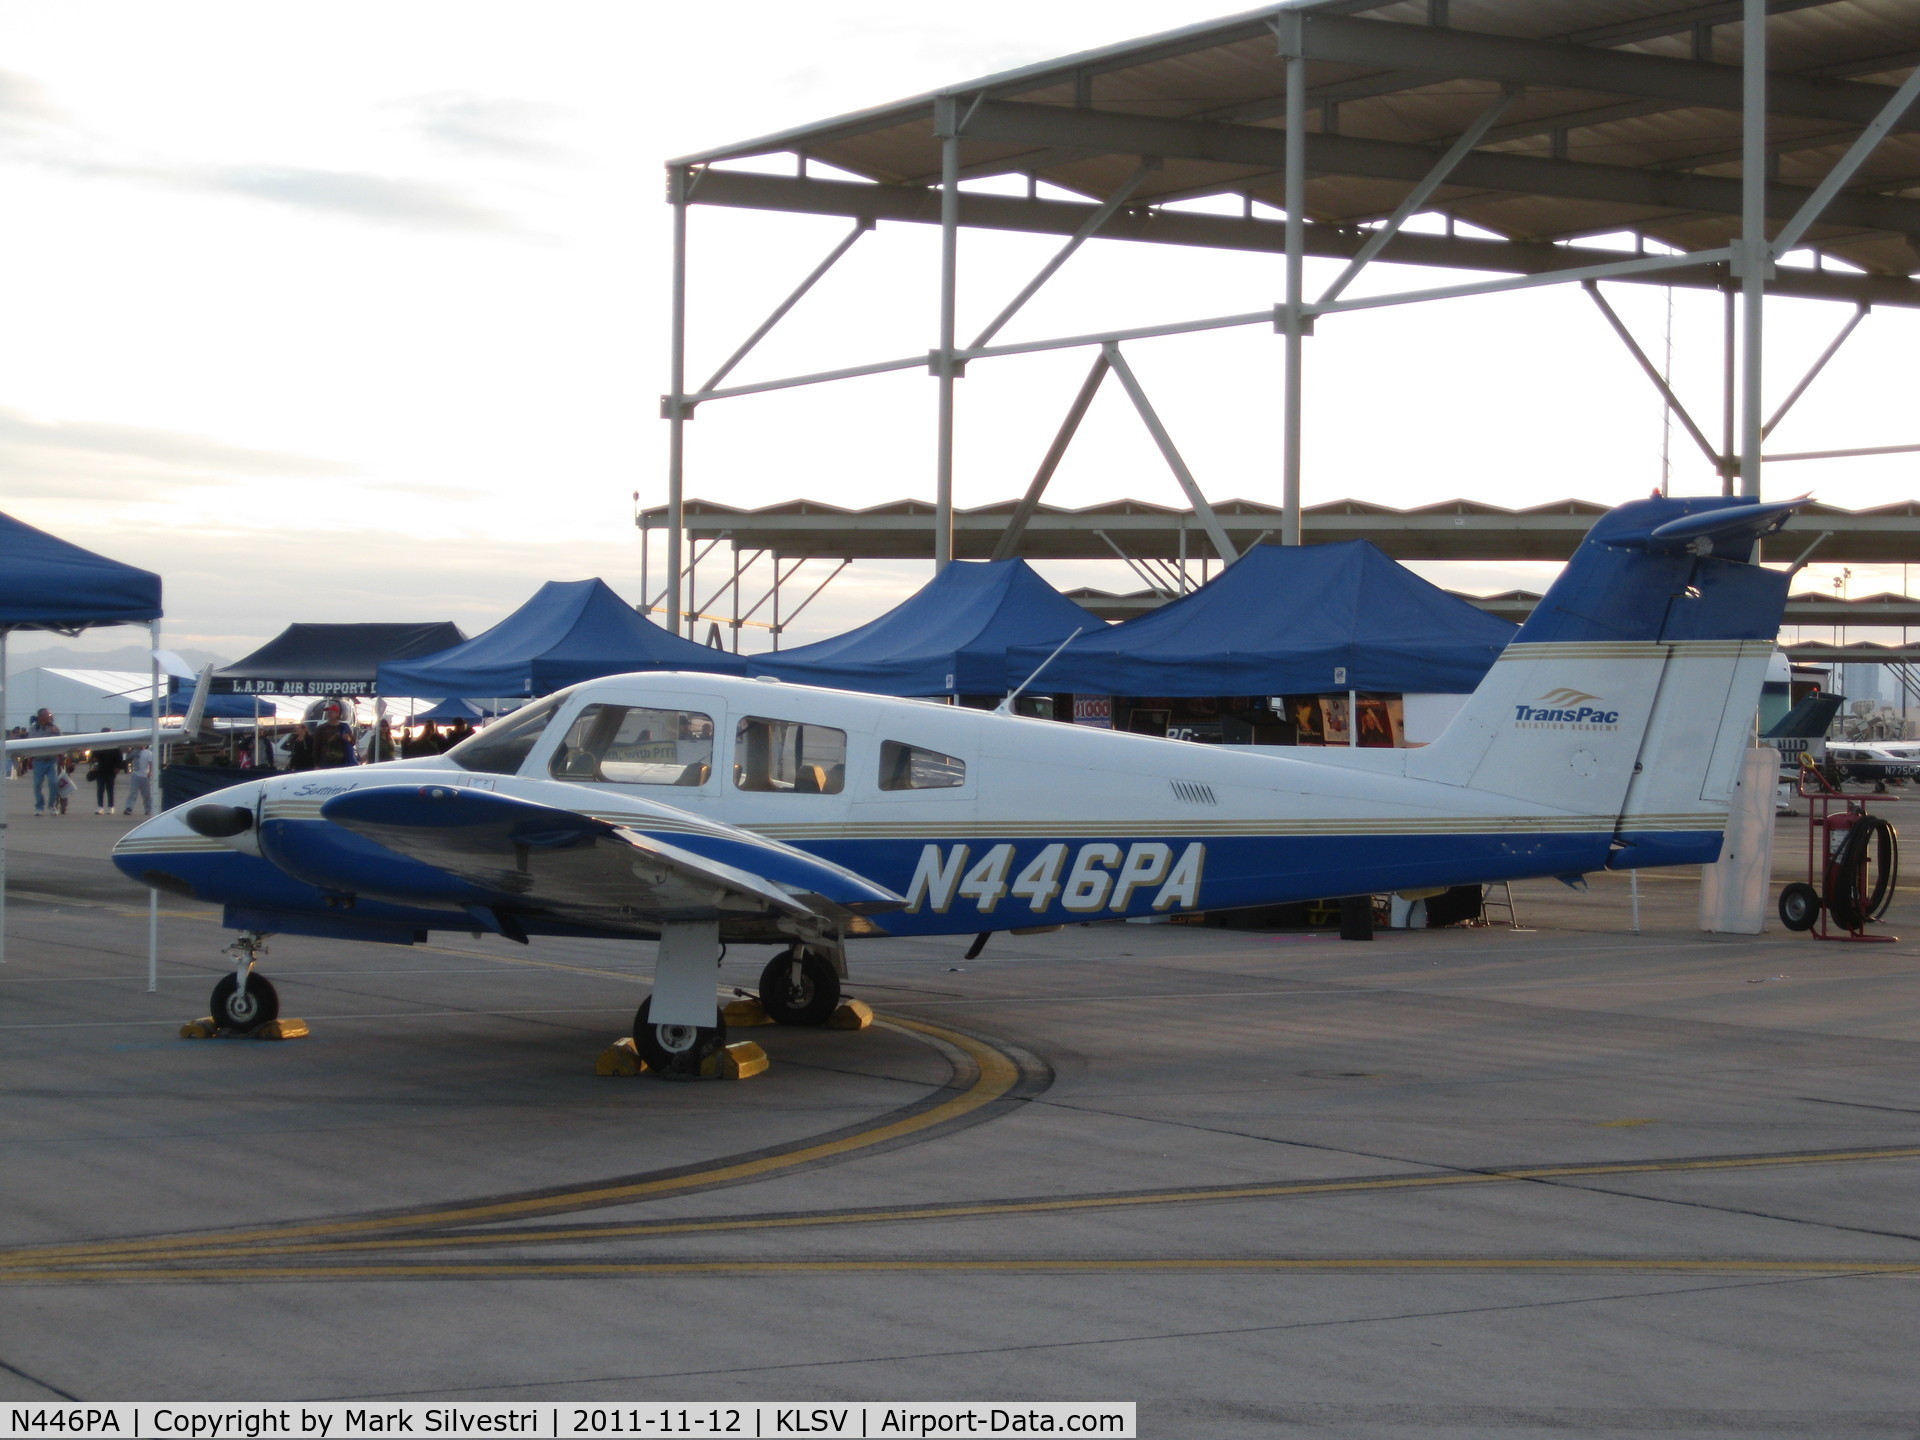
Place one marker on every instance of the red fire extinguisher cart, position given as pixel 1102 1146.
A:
pixel 1853 863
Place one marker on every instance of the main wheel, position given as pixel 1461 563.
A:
pixel 1799 906
pixel 244 1011
pixel 676 1051
pixel 799 989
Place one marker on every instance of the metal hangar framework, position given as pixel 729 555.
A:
pixel 1725 138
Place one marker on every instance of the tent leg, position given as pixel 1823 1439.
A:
pixel 5 783
pixel 153 749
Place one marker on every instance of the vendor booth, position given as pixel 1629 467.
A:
pixel 950 638
pixel 571 630
pixel 1299 644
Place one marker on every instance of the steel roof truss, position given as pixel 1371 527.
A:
pixel 1210 522
pixel 1101 214
pixel 1652 372
pixel 1551 64
pixel 1144 135
pixel 754 191
pixel 1891 114
pixel 1813 371
pixel 860 227
pixel 1417 197
pixel 1614 270
pixel 1009 543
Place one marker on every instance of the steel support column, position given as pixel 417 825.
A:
pixel 943 357
pixel 1755 257
pixel 1292 44
pixel 679 180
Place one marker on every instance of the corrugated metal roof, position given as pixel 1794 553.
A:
pixel 1449 530
pixel 1626 119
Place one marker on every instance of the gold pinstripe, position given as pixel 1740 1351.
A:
pixel 1635 649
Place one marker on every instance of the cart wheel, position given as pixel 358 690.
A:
pixel 1799 906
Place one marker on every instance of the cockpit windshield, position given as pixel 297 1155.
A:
pixel 502 748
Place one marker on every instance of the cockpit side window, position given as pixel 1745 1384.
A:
pixel 502 748
pixel 785 755
pixel 632 745
pixel 908 767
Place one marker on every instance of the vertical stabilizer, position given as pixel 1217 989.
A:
pixel 1630 692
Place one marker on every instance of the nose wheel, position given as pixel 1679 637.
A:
pixel 676 1051
pixel 799 987
pixel 243 1001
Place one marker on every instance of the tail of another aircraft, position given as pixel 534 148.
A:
pixel 1630 693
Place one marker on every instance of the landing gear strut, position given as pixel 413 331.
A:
pixel 243 1001
pixel 799 987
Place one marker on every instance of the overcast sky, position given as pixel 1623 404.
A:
pixel 357 312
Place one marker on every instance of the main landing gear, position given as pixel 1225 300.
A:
pixel 800 987
pixel 243 1002
pixel 676 1051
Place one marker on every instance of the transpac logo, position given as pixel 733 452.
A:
pixel 1565 709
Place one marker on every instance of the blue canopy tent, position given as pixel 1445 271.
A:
pixel 571 630
pixel 217 707
pixel 450 710
pixel 952 637
pixel 47 583
pixel 1301 619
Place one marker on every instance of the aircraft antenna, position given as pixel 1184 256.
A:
pixel 1005 707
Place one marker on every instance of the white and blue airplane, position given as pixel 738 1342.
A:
pixel 702 810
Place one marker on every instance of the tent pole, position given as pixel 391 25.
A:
pixel 153 752
pixel 5 784
pixel 1353 718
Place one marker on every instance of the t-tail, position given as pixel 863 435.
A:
pixel 1630 693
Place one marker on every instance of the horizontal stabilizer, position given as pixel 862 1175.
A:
pixel 1711 526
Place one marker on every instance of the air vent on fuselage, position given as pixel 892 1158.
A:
pixel 1193 792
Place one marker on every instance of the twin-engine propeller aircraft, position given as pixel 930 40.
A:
pixel 700 810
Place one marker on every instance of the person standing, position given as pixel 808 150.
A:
pixel 333 745
pixel 378 743
pixel 300 749
pixel 140 781
pixel 45 772
pixel 106 768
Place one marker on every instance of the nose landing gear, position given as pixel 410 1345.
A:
pixel 243 1002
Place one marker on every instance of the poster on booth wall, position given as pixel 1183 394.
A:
pixel 1094 710
pixel 1304 712
pixel 1333 720
pixel 1382 721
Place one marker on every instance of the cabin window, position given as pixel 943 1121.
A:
pixel 908 767
pixel 502 748
pixel 789 756
pixel 633 745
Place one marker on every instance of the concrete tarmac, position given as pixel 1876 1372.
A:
pixel 1566 1179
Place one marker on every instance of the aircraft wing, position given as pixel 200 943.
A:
pixel 118 739
pixel 575 867
pixel 94 740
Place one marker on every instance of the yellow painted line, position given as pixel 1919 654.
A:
pixel 1134 1264
pixel 965 1210
pixel 997 1075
